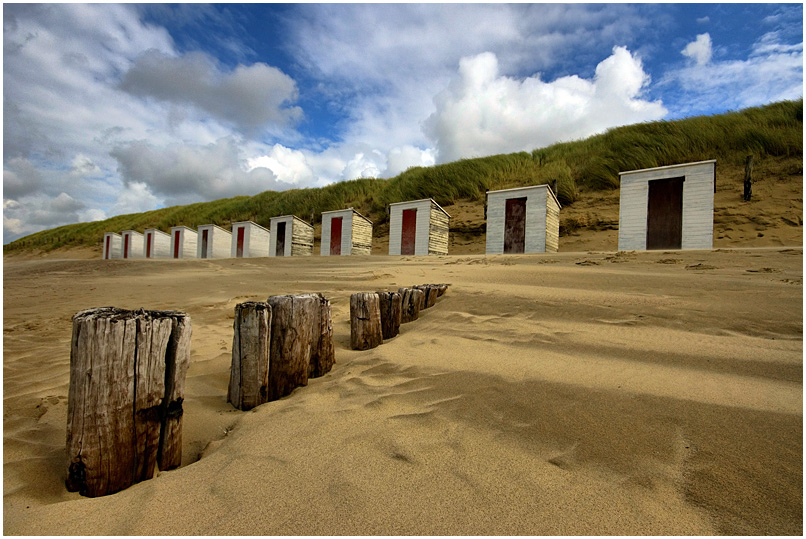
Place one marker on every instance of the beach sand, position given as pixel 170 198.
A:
pixel 569 393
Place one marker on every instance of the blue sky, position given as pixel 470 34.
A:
pixel 121 108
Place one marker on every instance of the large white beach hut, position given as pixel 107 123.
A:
pixel 132 244
pixel 291 236
pixel 111 247
pixel 183 242
pixel 213 242
pixel 522 220
pixel 345 232
pixel 418 227
pixel 157 244
pixel 668 207
pixel 249 240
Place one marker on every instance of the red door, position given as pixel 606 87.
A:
pixel 515 225
pixel 335 235
pixel 148 245
pixel 176 244
pixel 126 246
pixel 204 244
pixel 408 236
pixel 107 247
pixel 239 247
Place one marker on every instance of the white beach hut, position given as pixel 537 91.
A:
pixel 132 244
pixel 157 244
pixel 213 242
pixel 419 227
pixel 249 240
pixel 668 207
pixel 291 236
pixel 111 247
pixel 522 220
pixel 183 242
pixel 345 232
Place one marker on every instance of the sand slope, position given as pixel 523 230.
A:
pixel 571 393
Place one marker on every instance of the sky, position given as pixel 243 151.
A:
pixel 111 109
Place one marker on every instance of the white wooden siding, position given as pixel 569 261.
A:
pixel 542 219
pixel 298 236
pixel 160 243
pixel 219 242
pixel 135 243
pixel 422 244
pixel 187 241
pixel 255 240
pixel 115 243
pixel 698 204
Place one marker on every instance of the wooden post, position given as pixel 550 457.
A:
pixel 748 178
pixel 411 303
pixel 391 310
pixel 365 321
pixel 249 373
pixel 124 411
pixel 294 321
pixel 324 350
pixel 441 289
pixel 430 292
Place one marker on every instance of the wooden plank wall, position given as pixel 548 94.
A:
pixel 219 242
pixel 160 244
pixel 438 231
pixel 361 235
pixel 552 224
pixel 542 219
pixel 115 246
pixel 301 237
pixel 135 244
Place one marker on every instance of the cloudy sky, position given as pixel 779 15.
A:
pixel 111 109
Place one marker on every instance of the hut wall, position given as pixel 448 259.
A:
pixel 112 245
pixel 439 225
pixel 187 242
pixel 160 244
pixel 542 220
pixel 356 232
pixel 301 238
pixel 132 244
pixel 697 211
pixel 422 226
pixel 219 242
pixel 361 235
pixel 255 240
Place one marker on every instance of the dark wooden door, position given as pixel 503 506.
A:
pixel 176 244
pixel 515 225
pixel 204 244
pixel 408 235
pixel 239 244
pixel 126 246
pixel 148 245
pixel 664 222
pixel 279 249
pixel 335 235
pixel 107 247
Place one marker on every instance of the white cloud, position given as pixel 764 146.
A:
pixel 703 20
pixel 289 166
pixel 699 50
pixel 484 113
pixel 135 197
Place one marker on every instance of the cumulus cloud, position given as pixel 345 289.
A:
pixel 250 97
pixel 20 178
pixel 699 50
pixel 484 113
pixel 38 212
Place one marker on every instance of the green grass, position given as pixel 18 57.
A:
pixel 590 164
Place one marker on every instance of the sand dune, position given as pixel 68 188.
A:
pixel 569 393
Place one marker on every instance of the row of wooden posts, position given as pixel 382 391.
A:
pixel 127 373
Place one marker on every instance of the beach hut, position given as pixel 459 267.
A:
pixel 132 244
pixel 291 236
pixel 112 242
pixel 419 227
pixel 522 220
pixel 183 242
pixel 213 242
pixel 157 244
pixel 249 240
pixel 345 232
pixel 668 207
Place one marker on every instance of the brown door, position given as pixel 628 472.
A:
pixel 148 245
pixel 107 247
pixel 176 244
pixel 664 221
pixel 204 244
pixel 239 245
pixel 515 225
pixel 126 246
pixel 279 249
pixel 335 235
pixel 408 235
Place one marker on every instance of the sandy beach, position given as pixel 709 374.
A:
pixel 569 393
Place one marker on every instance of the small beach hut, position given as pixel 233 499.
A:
pixel 213 242
pixel 522 220
pixel 157 244
pixel 132 244
pixel 291 236
pixel 345 232
pixel 249 240
pixel 111 248
pixel 419 227
pixel 183 242
pixel 669 207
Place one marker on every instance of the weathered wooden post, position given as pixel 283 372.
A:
pixel 249 373
pixel 124 411
pixel 430 292
pixel 365 321
pixel 391 311
pixel 441 289
pixel 411 303
pixel 324 351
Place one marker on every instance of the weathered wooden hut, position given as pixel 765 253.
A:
pixel 419 227
pixel 668 207
pixel 213 242
pixel 249 240
pixel 183 242
pixel 291 236
pixel 522 220
pixel 112 243
pixel 157 244
pixel 132 244
pixel 345 232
